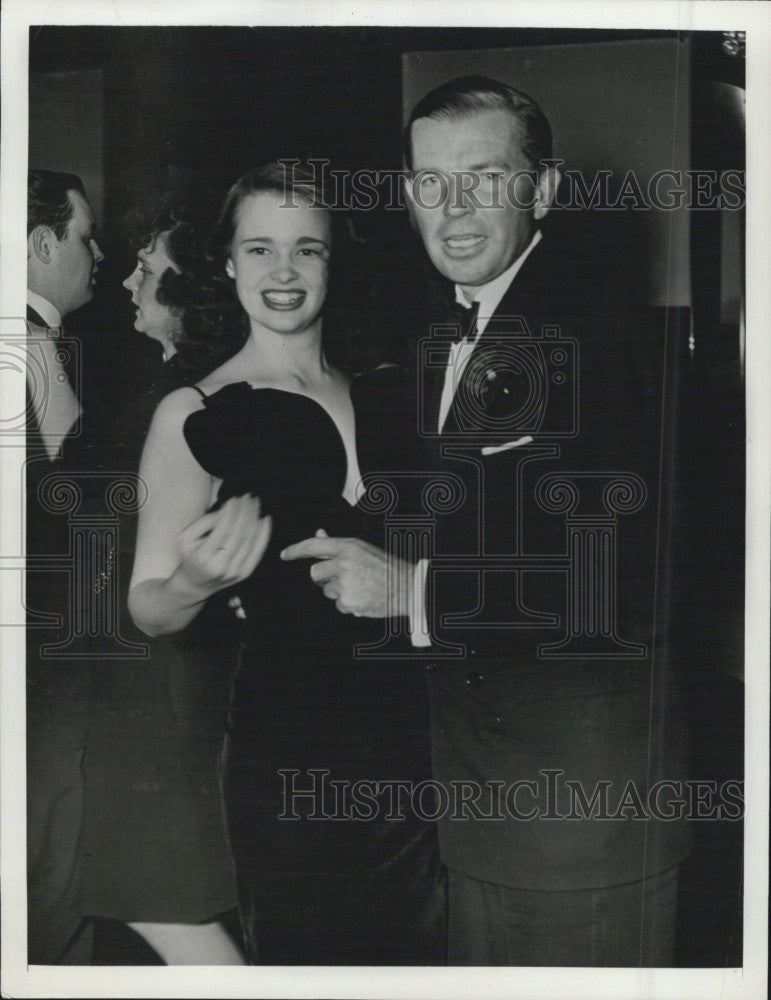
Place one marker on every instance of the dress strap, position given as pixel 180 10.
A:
pixel 202 393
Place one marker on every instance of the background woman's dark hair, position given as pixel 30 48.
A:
pixel 344 338
pixel 195 294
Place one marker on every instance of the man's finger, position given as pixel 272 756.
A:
pixel 327 570
pixel 314 548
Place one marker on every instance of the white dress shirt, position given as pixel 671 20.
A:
pixel 46 310
pixel 488 296
pixel 56 406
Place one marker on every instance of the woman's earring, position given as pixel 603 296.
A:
pixel 229 270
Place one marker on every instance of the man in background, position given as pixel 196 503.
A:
pixel 62 261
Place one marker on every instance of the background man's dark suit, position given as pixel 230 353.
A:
pixel 502 712
pixel 57 698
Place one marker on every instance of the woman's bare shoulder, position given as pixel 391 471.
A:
pixel 178 405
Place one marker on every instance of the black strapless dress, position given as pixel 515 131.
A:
pixel 333 865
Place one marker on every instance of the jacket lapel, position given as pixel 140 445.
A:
pixel 36 318
pixel 517 315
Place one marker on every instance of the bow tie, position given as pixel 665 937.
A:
pixel 466 317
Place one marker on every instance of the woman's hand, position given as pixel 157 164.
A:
pixel 222 547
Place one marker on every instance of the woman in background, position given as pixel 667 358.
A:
pixel 154 845
pixel 284 421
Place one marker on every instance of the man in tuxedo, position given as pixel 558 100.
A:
pixel 554 719
pixel 62 261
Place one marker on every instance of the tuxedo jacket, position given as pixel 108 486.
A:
pixel 57 690
pixel 46 530
pixel 547 592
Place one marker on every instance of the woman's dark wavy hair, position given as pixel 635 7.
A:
pixel 203 305
pixel 344 315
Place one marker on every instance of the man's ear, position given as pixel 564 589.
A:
pixel 40 243
pixel 546 191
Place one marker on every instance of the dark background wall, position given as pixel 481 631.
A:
pixel 207 103
pixel 143 111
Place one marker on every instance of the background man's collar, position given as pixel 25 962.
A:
pixel 45 309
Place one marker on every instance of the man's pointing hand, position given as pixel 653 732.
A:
pixel 360 578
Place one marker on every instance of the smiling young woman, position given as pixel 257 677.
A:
pixel 283 421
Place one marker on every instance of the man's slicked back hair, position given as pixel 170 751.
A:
pixel 468 95
pixel 48 200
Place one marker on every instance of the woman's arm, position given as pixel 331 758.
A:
pixel 184 554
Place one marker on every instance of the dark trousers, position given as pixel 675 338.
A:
pixel 619 926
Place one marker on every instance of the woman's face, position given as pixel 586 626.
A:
pixel 153 318
pixel 279 258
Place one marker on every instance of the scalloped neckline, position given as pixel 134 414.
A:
pixel 301 395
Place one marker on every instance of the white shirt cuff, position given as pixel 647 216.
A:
pixel 418 619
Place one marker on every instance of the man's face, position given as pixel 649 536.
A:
pixel 472 196
pixel 76 258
